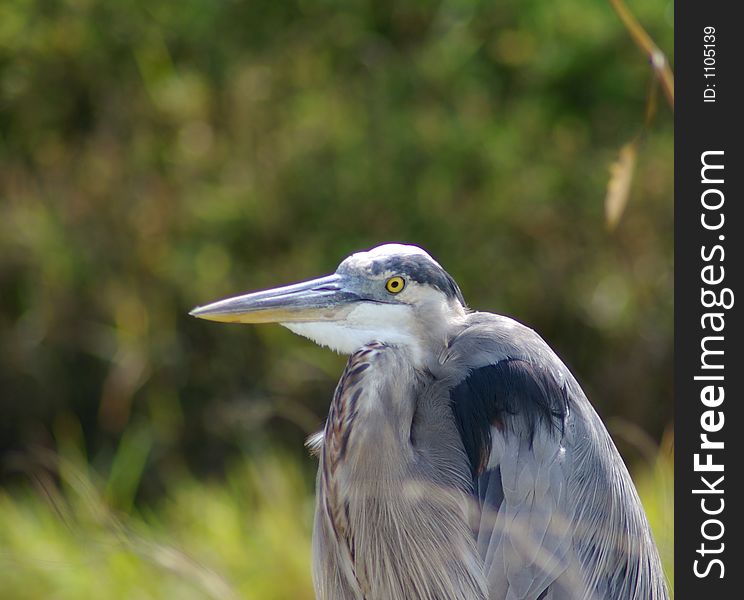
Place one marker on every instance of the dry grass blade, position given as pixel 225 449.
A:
pixel 623 169
pixel 658 59
pixel 618 187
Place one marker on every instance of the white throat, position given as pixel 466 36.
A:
pixel 393 324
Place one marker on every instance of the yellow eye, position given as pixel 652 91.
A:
pixel 395 284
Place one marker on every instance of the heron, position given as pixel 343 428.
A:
pixel 460 459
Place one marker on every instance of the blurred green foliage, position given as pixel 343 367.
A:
pixel 246 537
pixel 157 155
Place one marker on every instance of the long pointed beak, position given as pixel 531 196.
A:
pixel 323 299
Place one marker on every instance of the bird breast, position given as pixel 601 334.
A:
pixel 385 526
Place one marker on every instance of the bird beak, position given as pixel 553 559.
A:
pixel 324 299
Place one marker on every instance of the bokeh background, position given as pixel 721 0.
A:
pixel 155 155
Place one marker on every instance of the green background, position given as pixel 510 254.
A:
pixel 158 155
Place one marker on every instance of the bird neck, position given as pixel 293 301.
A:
pixel 434 326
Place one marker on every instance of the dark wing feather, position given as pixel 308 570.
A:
pixel 512 396
pixel 511 417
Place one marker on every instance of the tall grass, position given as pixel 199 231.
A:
pixel 246 536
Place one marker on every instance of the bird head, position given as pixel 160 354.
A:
pixel 394 293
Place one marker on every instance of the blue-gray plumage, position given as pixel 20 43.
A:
pixel 460 460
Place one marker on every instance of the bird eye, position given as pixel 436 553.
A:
pixel 395 284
